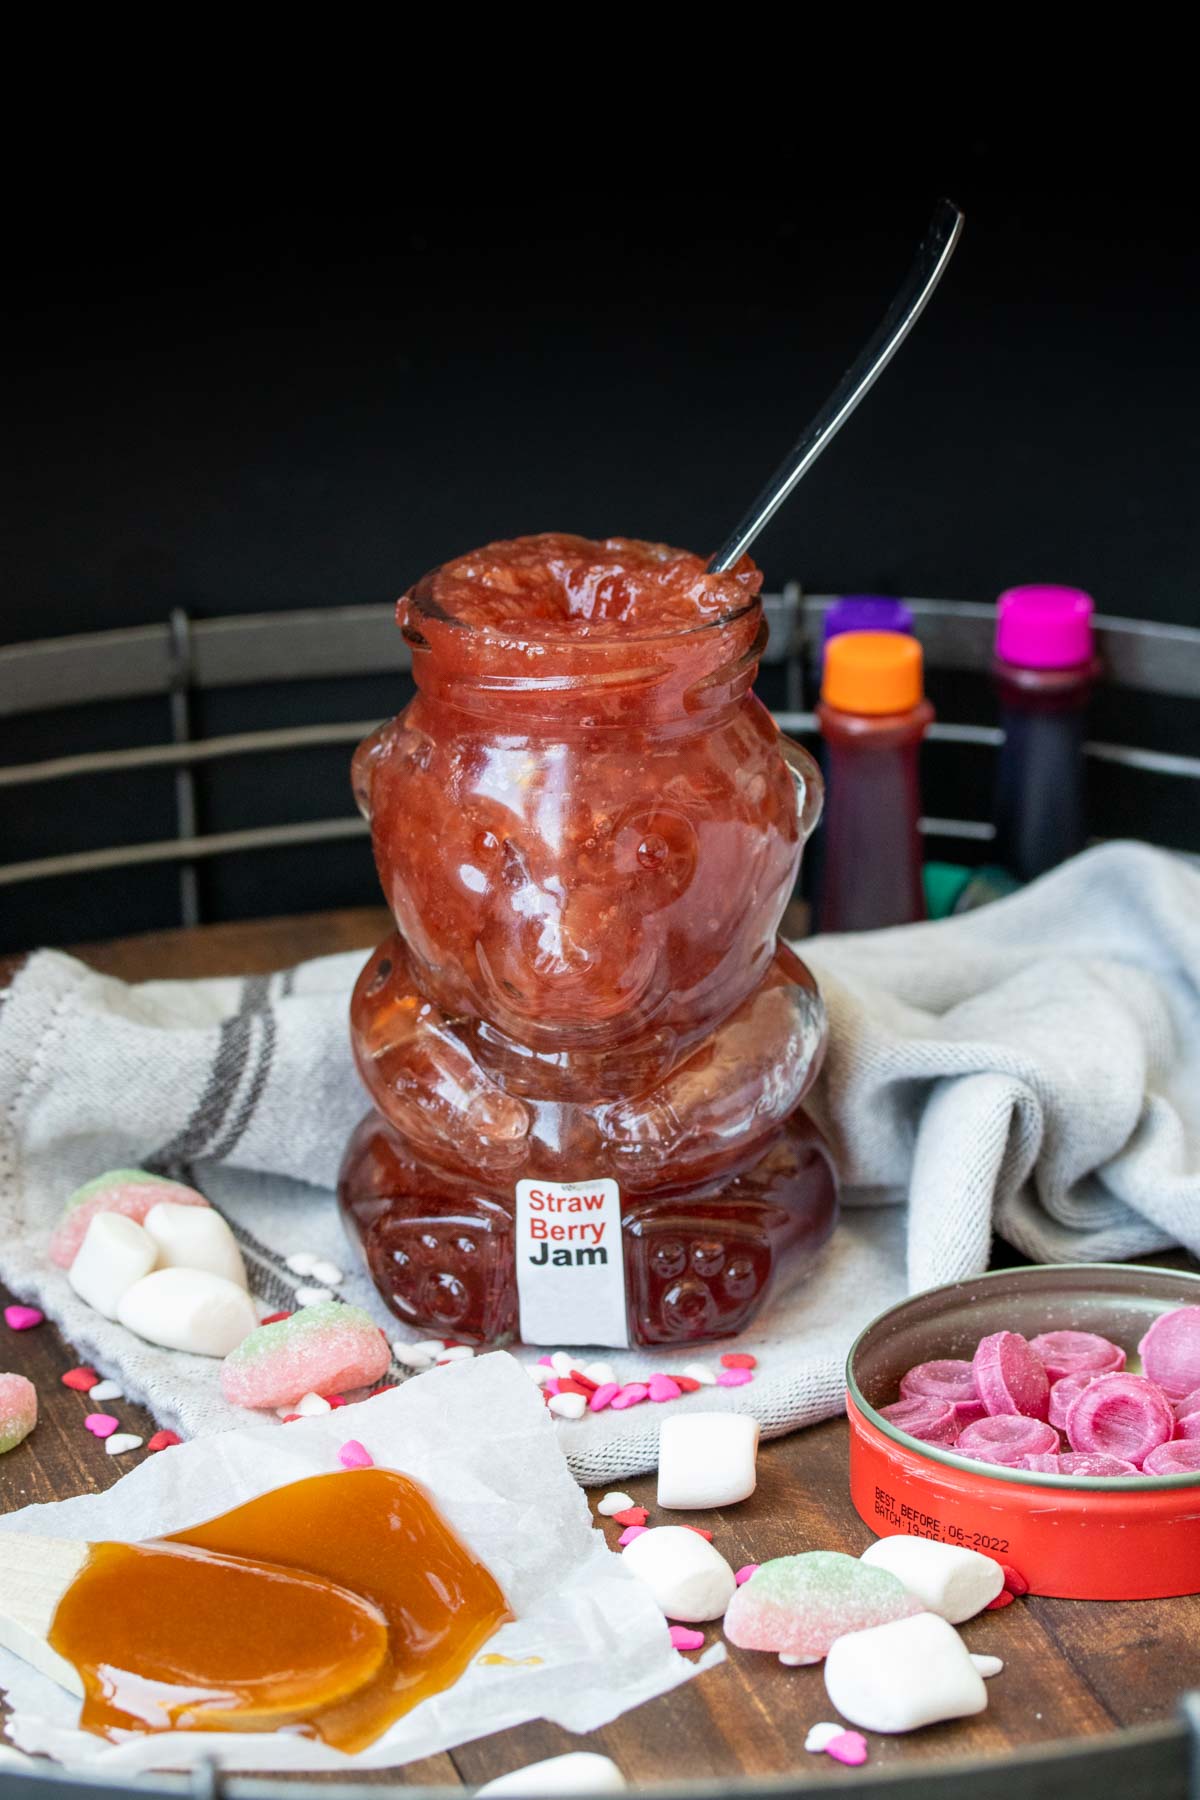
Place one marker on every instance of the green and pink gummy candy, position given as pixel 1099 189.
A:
pixel 322 1349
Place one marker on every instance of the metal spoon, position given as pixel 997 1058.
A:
pixel 945 229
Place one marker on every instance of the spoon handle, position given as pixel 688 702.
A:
pixel 937 247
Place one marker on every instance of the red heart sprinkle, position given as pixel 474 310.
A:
pixel 687 1384
pixel 739 1359
pixel 584 1381
pixel 80 1379
pixel 290 1418
pixel 568 1385
pixel 335 1400
pixel 162 1440
pixel 1014 1581
pixel 632 1515
pixel 378 1390
pixel 1003 1598
pixel 699 1531
pixel 274 1318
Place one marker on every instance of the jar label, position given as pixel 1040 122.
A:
pixel 570 1265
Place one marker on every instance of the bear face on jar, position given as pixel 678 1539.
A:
pixel 587 837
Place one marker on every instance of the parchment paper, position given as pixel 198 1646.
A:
pixel 479 1437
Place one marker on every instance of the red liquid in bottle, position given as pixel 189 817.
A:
pixel 872 716
pixel 586 1047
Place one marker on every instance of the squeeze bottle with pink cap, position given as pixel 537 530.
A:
pixel 1046 666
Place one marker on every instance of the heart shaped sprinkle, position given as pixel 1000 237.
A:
pixel 101 1425
pixel 22 1318
pixel 354 1455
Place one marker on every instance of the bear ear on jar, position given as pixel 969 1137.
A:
pixel 810 788
pixel 362 768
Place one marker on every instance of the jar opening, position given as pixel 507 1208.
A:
pixel 553 588
pixel 584 632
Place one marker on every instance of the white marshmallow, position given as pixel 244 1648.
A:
pixel 700 1372
pixel 579 1772
pixel 898 1676
pixel 987 1665
pixel 690 1581
pixel 706 1459
pixel 567 1406
pixel 195 1237
pixel 614 1503
pixel 114 1254
pixel 947 1579
pixel 188 1309
pixel 121 1441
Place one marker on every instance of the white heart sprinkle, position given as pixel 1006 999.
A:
pixel 302 1263
pixel 459 1353
pixel 820 1735
pixel 539 1373
pixel 600 1372
pixel 562 1362
pixel 430 1347
pixel 313 1296
pixel 311 1405
pixel 106 1390
pixel 568 1406
pixel 327 1272
pixel 614 1503
pixel 702 1373
pixel 987 1665
pixel 411 1356
pixel 120 1441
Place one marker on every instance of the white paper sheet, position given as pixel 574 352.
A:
pixel 478 1436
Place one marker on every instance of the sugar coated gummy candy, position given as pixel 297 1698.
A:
pixel 131 1192
pixel 321 1349
pixel 932 1421
pixel 1179 1458
pixel 1076 1353
pixel 1009 1377
pixel 1170 1351
pixel 1005 1438
pixel 1122 1415
pixel 18 1410
pixel 797 1605
pixel 1064 1394
pixel 1078 1462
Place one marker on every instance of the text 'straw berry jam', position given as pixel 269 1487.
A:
pixel 586 1047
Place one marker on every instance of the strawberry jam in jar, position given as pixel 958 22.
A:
pixel 586 1048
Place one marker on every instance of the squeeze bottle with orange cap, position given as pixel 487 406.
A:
pixel 873 714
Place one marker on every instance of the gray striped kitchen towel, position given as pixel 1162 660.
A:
pixel 1033 1067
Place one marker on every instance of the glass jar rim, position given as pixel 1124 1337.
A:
pixel 419 600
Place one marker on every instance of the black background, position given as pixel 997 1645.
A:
pixel 241 389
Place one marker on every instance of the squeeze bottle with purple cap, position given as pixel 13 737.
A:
pixel 1045 668
pixel 866 612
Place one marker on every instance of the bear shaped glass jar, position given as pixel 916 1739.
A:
pixel 586 1047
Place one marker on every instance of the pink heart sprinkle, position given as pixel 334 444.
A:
pixel 850 1747
pixel 745 1572
pixel 734 1377
pixel 630 1395
pixel 630 1532
pixel 604 1395
pixel 547 1362
pixel 550 1387
pixel 683 1639
pixel 101 1425
pixel 354 1455
pixel 22 1318
pixel 663 1388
